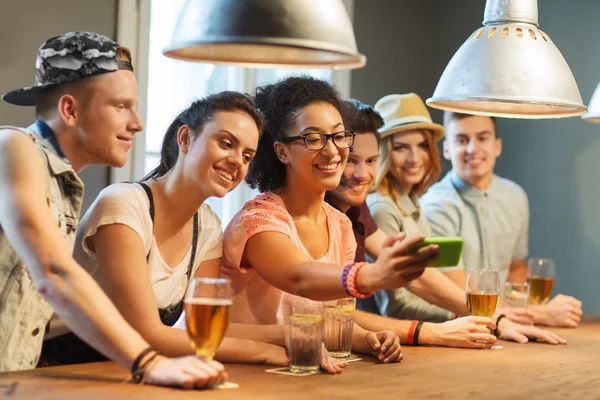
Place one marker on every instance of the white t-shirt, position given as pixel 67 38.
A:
pixel 128 204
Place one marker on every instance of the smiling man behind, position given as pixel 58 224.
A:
pixel 350 196
pixel 489 212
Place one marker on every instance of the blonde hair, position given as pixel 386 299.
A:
pixel 123 54
pixel 386 185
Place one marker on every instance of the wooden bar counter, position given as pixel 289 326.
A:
pixel 531 371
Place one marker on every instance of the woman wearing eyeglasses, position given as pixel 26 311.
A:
pixel 287 245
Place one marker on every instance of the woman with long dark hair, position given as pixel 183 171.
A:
pixel 144 241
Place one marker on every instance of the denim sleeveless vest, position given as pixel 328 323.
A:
pixel 24 314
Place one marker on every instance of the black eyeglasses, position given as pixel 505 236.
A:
pixel 317 141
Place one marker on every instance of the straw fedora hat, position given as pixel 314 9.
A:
pixel 404 112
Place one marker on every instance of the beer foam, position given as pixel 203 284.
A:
pixel 209 302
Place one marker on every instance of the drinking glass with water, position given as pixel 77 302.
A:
pixel 306 337
pixel 515 294
pixel 339 323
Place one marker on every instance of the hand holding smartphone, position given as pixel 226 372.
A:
pixel 450 250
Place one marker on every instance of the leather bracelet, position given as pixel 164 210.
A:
pixel 496 333
pixel 417 330
pixel 135 366
pixel 411 332
pixel 139 376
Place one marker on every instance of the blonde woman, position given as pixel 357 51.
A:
pixel 409 163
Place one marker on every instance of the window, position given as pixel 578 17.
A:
pixel 173 84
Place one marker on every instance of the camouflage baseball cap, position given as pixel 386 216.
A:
pixel 70 57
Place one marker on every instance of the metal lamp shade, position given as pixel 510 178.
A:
pixel 266 33
pixel 509 68
pixel 594 113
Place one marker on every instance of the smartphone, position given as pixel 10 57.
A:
pixel 450 250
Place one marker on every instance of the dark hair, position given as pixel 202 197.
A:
pixel 280 103
pixel 195 116
pixel 449 116
pixel 361 118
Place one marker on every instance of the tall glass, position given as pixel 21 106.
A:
pixel 483 291
pixel 339 322
pixel 207 303
pixel 515 294
pixel 540 275
pixel 306 337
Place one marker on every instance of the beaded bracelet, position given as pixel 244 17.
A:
pixel 345 278
pixel 351 281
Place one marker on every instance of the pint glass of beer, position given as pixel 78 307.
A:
pixel 540 275
pixel 207 303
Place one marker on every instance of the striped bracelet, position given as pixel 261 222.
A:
pixel 411 332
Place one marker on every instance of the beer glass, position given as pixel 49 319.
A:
pixel 306 337
pixel 483 291
pixel 339 322
pixel 540 275
pixel 207 303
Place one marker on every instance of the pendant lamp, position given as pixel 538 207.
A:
pixel 266 33
pixel 509 68
pixel 593 114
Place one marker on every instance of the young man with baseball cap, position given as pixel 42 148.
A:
pixel 85 95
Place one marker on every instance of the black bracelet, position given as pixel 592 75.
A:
pixel 139 375
pixel 136 363
pixel 416 336
pixel 496 333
